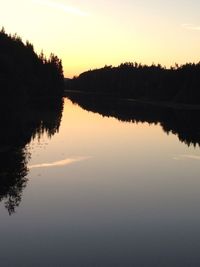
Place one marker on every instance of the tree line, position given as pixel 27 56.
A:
pixel 26 74
pixel 155 82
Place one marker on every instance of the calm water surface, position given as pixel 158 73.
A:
pixel 102 192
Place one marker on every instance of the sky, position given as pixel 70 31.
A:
pixel 93 33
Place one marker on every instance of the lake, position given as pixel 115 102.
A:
pixel 100 184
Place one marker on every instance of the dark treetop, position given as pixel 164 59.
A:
pixel 24 73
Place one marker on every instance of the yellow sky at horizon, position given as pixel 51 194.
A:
pixel 97 33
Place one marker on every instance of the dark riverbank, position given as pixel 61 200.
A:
pixel 163 104
pixel 179 84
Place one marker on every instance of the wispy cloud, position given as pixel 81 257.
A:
pixel 192 27
pixel 62 7
pixel 58 163
pixel 186 156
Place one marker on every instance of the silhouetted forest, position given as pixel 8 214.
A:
pixel 25 74
pixel 179 84
pixel 19 125
pixel 181 122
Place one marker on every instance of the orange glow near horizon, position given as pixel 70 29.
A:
pixel 97 33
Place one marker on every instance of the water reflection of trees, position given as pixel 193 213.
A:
pixel 21 122
pixel 179 121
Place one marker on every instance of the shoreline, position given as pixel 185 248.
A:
pixel 161 104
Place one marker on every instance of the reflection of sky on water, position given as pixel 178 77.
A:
pixel 129 204
pixel 58 163
pixel 187 156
